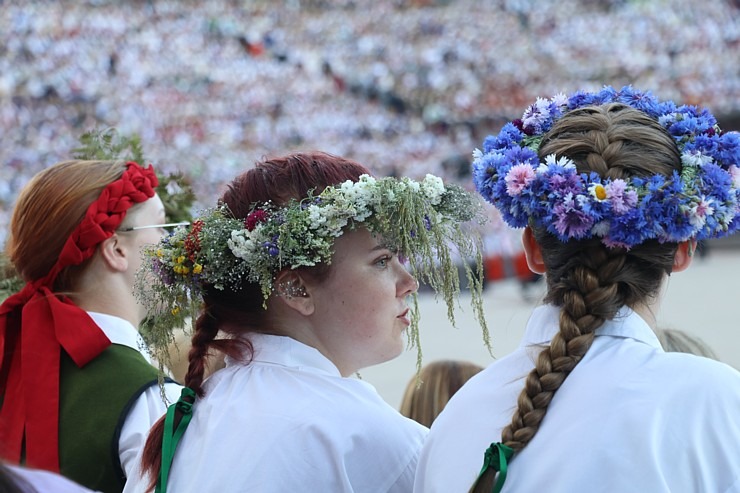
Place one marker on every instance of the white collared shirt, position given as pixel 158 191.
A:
pixel 149 407
pixel 629 418
pixel 44 481
pixel 288 421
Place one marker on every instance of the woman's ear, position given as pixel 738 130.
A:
pixel 684 255
pixel 532 252
pixel 292 290
pixel 114 254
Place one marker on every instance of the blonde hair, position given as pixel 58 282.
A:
pixel 678 341
pixel 423 401
pixel 48 210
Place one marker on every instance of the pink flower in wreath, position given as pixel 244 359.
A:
pixel 518 178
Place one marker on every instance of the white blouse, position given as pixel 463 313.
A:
pixel 288 421
pixel 44 481
pixel 630 417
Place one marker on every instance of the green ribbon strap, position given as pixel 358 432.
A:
pixel 497 457
pixel 172 436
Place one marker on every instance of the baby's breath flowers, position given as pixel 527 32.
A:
pixel 422 221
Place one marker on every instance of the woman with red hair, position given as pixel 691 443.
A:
pixel 78 389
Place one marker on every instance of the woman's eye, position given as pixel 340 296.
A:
pixel 383 261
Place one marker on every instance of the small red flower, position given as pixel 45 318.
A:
pixel 192 242
pixel 254 218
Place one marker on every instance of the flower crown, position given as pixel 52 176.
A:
pixel 422 221
pixel 700 202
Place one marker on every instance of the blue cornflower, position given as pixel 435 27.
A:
pixel 508 135
pixel 628 229
pixel 665 108
pixel 705 144
pixel 643 101
pixel 607 95
pixel 689 125
pixel 728 148
pixel 580 99
pixel 716 181
pixel 703 114
pixel 701 201
pixel 489 144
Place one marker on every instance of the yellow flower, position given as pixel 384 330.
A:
pixel 598 191
pixel 180 259
pixel 197 269
pixel 185 270
pixel 175 310
pixel 160 253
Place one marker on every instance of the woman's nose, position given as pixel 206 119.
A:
pixel 408 284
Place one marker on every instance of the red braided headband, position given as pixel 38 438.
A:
pixel 35 324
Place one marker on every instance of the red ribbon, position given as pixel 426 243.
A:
pixel 36 324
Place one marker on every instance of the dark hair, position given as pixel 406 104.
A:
pixel 277 180
pixel 588 281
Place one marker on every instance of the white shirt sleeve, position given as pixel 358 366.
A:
pixel 149 407
pixel 405 481
pixel 45 481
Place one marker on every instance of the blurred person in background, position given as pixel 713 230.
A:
pixel 427 393
pixel 680 341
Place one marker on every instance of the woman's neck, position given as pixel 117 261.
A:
pixel 647 312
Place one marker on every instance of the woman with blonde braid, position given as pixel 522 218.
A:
pixel 613 189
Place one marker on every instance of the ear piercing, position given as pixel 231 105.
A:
pixel 291 290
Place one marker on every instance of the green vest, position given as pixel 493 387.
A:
pixel 93 403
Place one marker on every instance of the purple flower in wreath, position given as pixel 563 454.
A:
pixel 620 198
pixel 564 184
pixel 570 220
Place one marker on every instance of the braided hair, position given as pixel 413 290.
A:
pixel 234 312
pixel 586 280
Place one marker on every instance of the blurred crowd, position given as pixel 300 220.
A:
pixel 406 87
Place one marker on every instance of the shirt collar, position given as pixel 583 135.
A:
pixel 544 324
pixel 121 332
pixel 286 351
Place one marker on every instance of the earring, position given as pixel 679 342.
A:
pixel 290 290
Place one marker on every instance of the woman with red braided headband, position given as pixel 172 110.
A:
pixel 77 391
